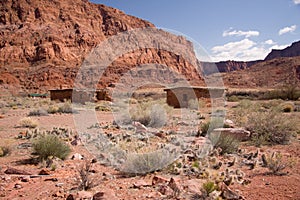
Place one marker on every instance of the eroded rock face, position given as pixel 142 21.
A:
pixel 44 42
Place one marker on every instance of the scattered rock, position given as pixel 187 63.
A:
pixel 140 183
pixel 139 128
pixel 84 195
pixel 98 196
pixel 193 185
pixel 25 178
pixel 51 179
pixel 175 184
pixel 227 193
pixel 238 133
pixel 16 171
pixel 77 156
pixel 157 180
pixel 59 184
pixel 70 197
pixel 45 172
pixel 18 186
pixel 165 190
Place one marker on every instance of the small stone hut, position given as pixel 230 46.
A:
pixel 179 97
pixel 79 96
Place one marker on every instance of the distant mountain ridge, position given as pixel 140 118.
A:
pixel 290 51
pixel 231 65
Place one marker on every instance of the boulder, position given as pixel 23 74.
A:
pixel 238 133
pixel 16 171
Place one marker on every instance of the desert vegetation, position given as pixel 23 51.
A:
pixel 160 141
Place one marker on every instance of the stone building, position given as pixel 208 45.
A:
pixel 80 96
pixel 179 97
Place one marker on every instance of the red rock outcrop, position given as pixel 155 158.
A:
pixel 44 42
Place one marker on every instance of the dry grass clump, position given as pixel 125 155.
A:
pixel 28 122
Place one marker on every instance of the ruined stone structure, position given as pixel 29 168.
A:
pixel 79 96
pixel 179 97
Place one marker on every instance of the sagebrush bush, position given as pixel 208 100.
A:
pixel 148 162
pixel 28 122
pixel 268 125
pixel 150 113
pixel 50 145
pixel 271 127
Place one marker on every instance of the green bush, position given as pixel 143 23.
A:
pixel 209 187
pixel 227 143
pixel 50 145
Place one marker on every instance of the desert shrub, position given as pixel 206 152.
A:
pixel 209 187
pixel 227 143
pixel 209 126
pixel 233 98
pixel 287 107
pixel 270 127
pixel 276 163
pixel 138 164
pixel 28 122
pixel 158 116
pixel 150 113
pixel 53 109
pixel 50 145
pixel 103 106
pixel 86 181
pixel 66 107
pixel 287 92
pixel 4 151
pixel 38 112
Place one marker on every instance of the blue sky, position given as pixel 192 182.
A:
pixel 226 29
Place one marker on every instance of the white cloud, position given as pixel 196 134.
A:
pixel 279 46
pixel 296 1
pixel 288 29
pixel 247 34
pixel 244 50
pixel 269 42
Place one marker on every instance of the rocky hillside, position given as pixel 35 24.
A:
pixel 227 66
pixel 273 73
pixel 291 51
pixel 44 42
